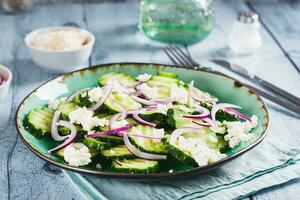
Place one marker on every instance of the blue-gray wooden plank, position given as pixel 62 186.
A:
pixel 283 22
pixel 21 172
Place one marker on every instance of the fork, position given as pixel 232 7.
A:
pixel 181 57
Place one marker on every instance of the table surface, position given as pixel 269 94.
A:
pixel 22 175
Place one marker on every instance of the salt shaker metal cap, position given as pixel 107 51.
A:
pixel 248 17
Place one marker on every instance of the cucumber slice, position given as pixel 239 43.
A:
pixel 136 166
pixel 113 139
pixel 118 152
pixel 146 144
pixel 167 74
pixel 82 99
pixel 95 144
pixel 182 156
pixel 176 119
pixel 122 78
pixel 65 108
pixel 38 122
pixel 163 92
pixel 164 82
pixel 155 117
pixel 124 99
pixel 208 137
pixel 66 131
pixel 222 144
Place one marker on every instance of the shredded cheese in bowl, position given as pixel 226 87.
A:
pixel 64 39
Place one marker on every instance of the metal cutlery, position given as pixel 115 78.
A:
pixel 182 57
pixel 265 84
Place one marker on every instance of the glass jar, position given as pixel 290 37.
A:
pixel 176 21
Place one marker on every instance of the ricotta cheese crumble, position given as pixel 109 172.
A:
pixel 85 117
pixel 239 131
pixel 179 94
pixel 120 87
pixel 95 94
pixel 54 103
pixel 163 108
pixel 199 150
pixel 77 154
pixel 150 92
pixel 119 123
pixel 158 133
pixel 144 77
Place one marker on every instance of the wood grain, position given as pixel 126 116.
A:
pixel 22 175
pixel 282 22
pixel 117 39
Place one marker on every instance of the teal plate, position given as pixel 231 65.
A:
pixel 225 88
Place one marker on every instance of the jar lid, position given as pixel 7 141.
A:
pixel 248 17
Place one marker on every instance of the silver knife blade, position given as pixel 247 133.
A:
pixel 233 67
pixel 267 85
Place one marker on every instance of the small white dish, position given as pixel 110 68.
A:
pixel 4 88
pixel 59 61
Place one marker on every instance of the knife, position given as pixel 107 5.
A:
pixel 265 84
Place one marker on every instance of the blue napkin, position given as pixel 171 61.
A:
pixel 274 161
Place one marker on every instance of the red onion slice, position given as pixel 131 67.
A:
pixel 150 107
pixel 107 92
pixel 118 162
pixel 178 132
pixel 70 138
pixel 134 84
pixel 118 116
pixel 240 115
pixel 109 132
pixel 123 110
pixel 139 120
pixel 201 124
pixel 197 98
pixel 204 113
pixel 72 96
pixel 221 106
pixel 140 135
pixel 143 101
pixel 140 111
pixel 163 101
pixel 141 154
pixel 54 132
pixel 209 121
pixel 136 93
pixel 113 119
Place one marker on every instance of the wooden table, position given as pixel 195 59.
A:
pixel 22 175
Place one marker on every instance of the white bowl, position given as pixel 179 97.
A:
pixel 4 88
pixel 59 61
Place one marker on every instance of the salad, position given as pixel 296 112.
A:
pixel 140 124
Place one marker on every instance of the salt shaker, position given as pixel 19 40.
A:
pixel 245 36
pixel 11 6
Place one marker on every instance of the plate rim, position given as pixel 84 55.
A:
pixel 194 171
